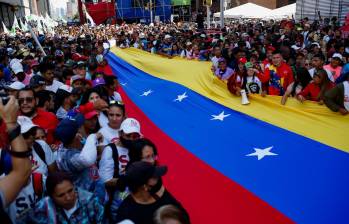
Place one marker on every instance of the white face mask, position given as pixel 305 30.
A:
pixel 347 50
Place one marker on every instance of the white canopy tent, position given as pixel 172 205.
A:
pixel 248 10
pixel 284 12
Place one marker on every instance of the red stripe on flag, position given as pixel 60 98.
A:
pixel 209 196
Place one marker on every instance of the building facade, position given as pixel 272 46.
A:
pixel 22 8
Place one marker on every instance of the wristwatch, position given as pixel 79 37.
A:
pixel 24 154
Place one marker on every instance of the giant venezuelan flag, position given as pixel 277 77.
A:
pixel 229 163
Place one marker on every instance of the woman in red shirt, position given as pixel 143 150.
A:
pixel 316 89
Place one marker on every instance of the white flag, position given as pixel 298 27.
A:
pixel 4 28
pixel 15 24
pixel 39 27
pixel 88 17
pixel 24 26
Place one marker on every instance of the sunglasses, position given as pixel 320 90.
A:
pixel 115 102
pixel 26 99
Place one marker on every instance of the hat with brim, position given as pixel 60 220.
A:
pixel 138 173
pixel 69 127
pixel 36 81
pixel 90 115
pixel 337 56
pixel 25 123
pixel 16 86
pixel 130 125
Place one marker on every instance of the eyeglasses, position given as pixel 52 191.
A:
pixel 115 102
pixel 25 99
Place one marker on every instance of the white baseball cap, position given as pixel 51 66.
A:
pixel 66 88
pixel 167 36
pixel 16 85
pixel 141 35
pixel 337 55
pixel 130 125
pixel 17 67
pixel 25 123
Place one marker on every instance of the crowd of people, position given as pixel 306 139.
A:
pixel 70 153
pixel 303 60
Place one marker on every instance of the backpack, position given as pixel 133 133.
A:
pixel 115 157
pixel 40 151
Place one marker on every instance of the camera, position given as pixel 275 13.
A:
pixel 4 97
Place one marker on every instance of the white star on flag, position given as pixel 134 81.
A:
pixel 181 97
pixel 147 93
pixel 220 116
pixel 261 153
pixel 123 83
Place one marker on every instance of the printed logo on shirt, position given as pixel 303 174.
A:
pixel 123 160
pixel 93 172
pixel 346 98
pixel 253 87
pixel 113 140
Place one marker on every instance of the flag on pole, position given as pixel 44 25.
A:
pixel 15 24
pixel 24 26
pixel 88 17
pixel 4 28
pixel 39 26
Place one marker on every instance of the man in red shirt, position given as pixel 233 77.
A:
pixel 46 120
pixel 278 75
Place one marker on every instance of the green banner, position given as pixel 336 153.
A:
pixel 180 2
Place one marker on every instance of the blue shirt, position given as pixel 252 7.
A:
pixel 88 210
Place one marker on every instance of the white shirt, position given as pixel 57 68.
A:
pixel 346 95
pixel 106 164
pixel 103 120
pixel 109 134
pixel 250 80
pixel 215 61
pixel 61 113
pixel 49 157
pixel 25 200
pixel 72 210
pixel 329 74
pixel 54 87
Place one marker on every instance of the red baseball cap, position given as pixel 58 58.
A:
pixel 90 114
pixel 242 60
pixel 271 48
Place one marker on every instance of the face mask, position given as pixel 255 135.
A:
pixel 156 187
pixel 83 141
pixel 126 143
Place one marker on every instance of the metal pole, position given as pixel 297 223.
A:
pixel 208 16
pixel 36 39
pixel 151 11
pixel 222 13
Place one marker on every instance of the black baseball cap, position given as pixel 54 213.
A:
pixel 36 81
pixel 138 173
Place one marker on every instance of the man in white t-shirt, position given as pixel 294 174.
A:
pixel 47 71
pixel 43 162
